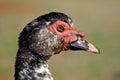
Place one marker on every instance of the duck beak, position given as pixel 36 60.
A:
pixel 83 45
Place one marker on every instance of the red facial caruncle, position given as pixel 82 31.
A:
pixel 68 33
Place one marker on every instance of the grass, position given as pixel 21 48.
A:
pixel 100 21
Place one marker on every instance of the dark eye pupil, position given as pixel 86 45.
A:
pixel 60 28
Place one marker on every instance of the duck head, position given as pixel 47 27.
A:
pixel 52 33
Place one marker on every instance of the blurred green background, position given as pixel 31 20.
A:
pixel 100 19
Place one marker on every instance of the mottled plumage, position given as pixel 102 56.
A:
pixel 38 42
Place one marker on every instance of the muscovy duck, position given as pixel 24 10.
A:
pixel 45 36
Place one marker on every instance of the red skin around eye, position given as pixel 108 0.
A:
pixel 69 35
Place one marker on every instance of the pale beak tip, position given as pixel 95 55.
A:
pixel 93 49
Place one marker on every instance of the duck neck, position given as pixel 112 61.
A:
pixel 31 66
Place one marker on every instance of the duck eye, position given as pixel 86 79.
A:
pixel 60 28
